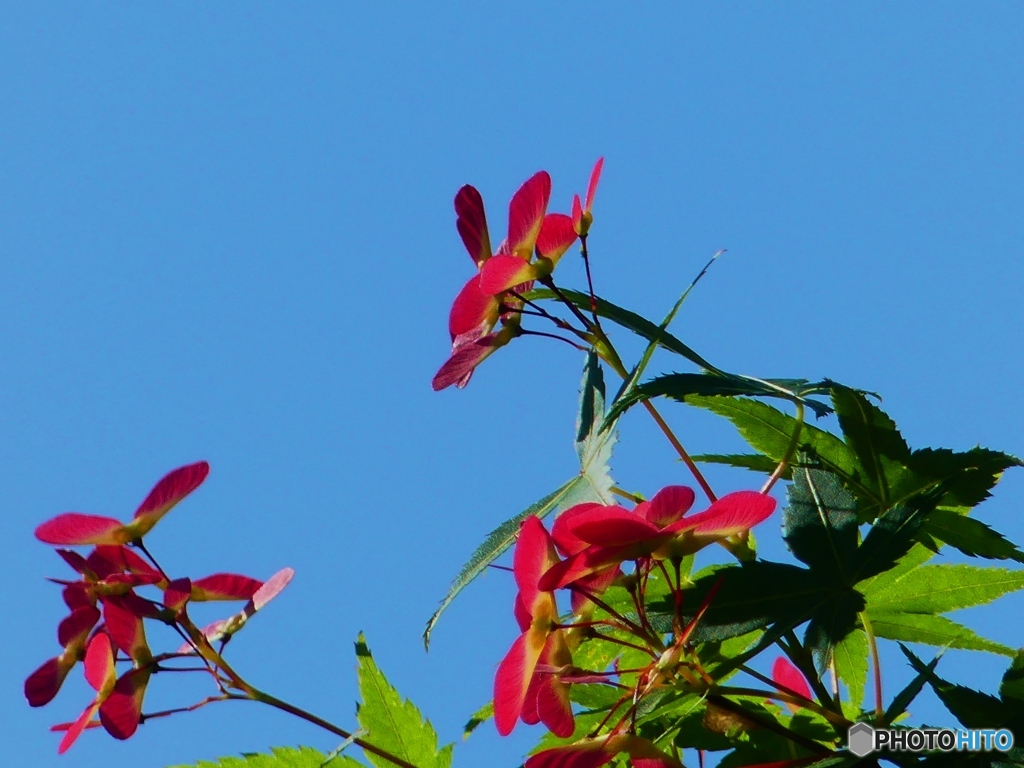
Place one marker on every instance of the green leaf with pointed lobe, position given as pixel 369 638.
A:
pixel 873 437
pixel 481 716
pixel 392 723
pixel 1012 685
pixel 932 630
pixel 595 435
pixel 970 475
pixel 634 376
pixel 280 757
pixel 752 461
pixel 943 588
pixel 905 697
pixel 575 491
pixel 684 386
pixel 593 483
pixel 770 431
pixel 851 655
pixel 892 535
pixel 820 523
pixel 972 708
pixel 970 536
pixel 631 321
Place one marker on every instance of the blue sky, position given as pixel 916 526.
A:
pixel 227 234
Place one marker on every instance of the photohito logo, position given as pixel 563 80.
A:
pixel 862 739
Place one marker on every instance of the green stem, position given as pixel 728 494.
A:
pixel 873 646
pixel 626 495
pixel 790 449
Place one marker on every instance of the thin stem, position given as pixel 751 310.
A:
pixel 590 280
pixel 641 608
pixel 284 706
pixel 790 450
pixel 873 646
pixel 548 283
pixel 192 708
pixel 629 626
pixel 608 717
pixel 626 643
pixel 570 342
pixel 142 548
pixel 541 312
pixel 681 451
pixel 626 495
pixel 677 598
pixel 159 668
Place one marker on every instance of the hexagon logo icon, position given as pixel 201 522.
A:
pixel 861 739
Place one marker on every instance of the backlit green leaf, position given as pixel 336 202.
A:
pixel 851 655
pixel 769 431
pixel 280 757
pixel 481 716
pixel 932 630
pixel 752 461
pixel 942 588
pixel 391 723
pixel 880 449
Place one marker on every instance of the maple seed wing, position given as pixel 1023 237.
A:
pixel 595 177
pixel 668 505
pixel 526 214
pixel 172 488
pixel 225 586
pixel 463 361
pixel 501 273
pixel 735 512
pixel 74 528
pixel 785 673
pixel 272 588
pixel 472 224
pixel 43 684
pixel 513 679
pixel 471 309
pixel 612 526
pixel 121 712
pixel 533 555
pixel 556 236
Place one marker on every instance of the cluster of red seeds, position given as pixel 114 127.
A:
pixel 584 554
pixel 106 624
pixel 536 241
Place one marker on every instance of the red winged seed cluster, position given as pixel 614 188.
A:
pixel 535 242
pixel 594 541
pixel 106 628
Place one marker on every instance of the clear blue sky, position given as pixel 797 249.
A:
pixel 226 233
